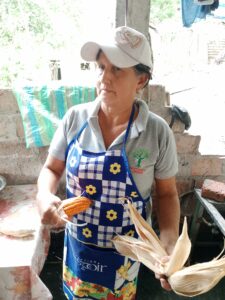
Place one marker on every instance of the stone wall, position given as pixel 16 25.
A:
pixel 20 165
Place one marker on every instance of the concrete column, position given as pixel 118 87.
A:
pixel 138 13
pixel 138 16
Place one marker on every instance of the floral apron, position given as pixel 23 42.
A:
pixel 92 269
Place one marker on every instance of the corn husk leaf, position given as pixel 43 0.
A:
pixel 145 231
pixel 138 251
pixel 180 253
pixel 199 278
pixel 190 281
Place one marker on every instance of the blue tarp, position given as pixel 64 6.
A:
pixel 192 12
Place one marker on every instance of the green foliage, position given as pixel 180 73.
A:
pixel 30 35
pixel 163 9
pixel 22 17
pixel 33 32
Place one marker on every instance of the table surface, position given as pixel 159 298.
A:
pixel 213 208
pixel 22 259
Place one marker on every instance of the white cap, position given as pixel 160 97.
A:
pixel 128 48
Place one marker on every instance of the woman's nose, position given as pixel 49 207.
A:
pixel 106 76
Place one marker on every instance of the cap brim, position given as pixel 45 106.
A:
pixel 114 54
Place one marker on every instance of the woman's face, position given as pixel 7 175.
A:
pixel 116 85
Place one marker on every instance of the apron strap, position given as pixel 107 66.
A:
pixel 126 137
pixel 124 150
pixel 129 125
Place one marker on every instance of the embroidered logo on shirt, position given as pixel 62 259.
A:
pixel 139 155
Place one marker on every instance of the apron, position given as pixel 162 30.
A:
pixel 92 269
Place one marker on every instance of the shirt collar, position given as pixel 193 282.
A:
pixel 94 108
pixel 142 118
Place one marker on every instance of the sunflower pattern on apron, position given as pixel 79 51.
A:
pixel 92 269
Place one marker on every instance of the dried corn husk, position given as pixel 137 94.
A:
pixel 199 278
pixel 137 250
pixel 145 231
pixel 180 253
pixel 190 281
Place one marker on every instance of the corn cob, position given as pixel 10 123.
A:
pixel 73 206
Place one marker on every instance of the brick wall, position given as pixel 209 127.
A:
pixel 21 165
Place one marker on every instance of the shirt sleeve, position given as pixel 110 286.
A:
pixel 167 163
pixel 59 142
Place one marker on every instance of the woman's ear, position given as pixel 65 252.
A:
pixel 143 79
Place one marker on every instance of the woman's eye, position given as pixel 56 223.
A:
pixel 99 69
pixel 116 69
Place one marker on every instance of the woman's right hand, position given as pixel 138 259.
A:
pixel 163 280
pixel 48 204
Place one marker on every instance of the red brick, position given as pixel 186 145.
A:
pixel 214 190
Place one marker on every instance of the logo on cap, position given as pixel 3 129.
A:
pixel 127 37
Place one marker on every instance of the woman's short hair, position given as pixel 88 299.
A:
pixel 142 69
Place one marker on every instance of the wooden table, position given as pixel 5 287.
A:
pixel 22 259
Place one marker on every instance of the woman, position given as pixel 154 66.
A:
pixel 111 148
